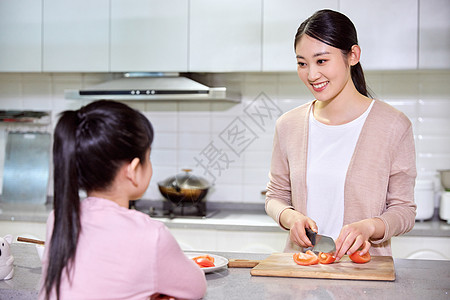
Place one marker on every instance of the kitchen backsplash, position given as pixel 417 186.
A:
pixel 230 144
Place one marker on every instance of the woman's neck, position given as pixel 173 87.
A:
pixel 342 109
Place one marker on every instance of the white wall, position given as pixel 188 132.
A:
pixel 184 130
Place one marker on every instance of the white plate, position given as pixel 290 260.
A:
pixel 219 261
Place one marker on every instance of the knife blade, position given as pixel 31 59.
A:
pixel 321 243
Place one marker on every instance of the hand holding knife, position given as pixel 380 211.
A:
pixel 321 243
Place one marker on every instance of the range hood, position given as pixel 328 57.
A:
pixel 153 86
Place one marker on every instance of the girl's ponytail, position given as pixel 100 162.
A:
pixel 66 202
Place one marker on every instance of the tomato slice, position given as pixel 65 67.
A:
pixel 208 257
pixel 306 259
pixel 204 261
pixel 326 258
pixel 360 259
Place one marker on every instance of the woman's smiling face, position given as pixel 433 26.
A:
pixel 322 68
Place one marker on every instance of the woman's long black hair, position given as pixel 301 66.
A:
pixel 336 30
pixel 89 147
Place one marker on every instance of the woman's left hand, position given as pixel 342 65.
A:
pixel 355 236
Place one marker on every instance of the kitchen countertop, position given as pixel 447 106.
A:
pixel 226 218
pixel 415 279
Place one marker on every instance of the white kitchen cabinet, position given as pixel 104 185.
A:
pixel 420 247
pixel 230 240
pixel 225 35
pixel 387 32
pixel 76 36
pixel 35 230
pixel 210 36
pixel 20 35
pixel 149 35
pixel 434 34
pixel 280 23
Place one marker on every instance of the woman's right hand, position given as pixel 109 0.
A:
pixel 296 222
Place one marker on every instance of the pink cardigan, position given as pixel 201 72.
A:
pixel 380 178
pixel 124 254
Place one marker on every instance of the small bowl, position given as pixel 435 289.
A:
pixel 40 250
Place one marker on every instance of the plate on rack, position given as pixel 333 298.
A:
pixel 219 261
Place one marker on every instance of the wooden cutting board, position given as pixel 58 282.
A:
pixel 283 265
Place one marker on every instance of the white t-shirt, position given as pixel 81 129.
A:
pixel 330 149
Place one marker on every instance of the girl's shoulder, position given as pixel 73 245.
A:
pixel 144 219
pixel 130 219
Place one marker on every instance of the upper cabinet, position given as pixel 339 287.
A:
pixel 279 29
pixel 75 35
pixel 434 34
pixel 225 35
pixel 387 32
pixel 149 36
pixel 20 35
pixel 210 36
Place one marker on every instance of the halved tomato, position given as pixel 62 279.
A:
pixel 326 258
pixel 306 259
pixel 204 261
pixel 360 259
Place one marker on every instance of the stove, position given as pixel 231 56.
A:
pixel 182 210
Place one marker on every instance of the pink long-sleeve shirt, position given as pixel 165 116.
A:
pixel 380 178
pixel 124 254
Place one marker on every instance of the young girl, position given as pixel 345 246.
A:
pixel 344 164
pixel 98 248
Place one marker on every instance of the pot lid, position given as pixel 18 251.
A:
pixel 185 180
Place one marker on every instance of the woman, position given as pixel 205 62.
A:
pixel 97 248
pixel 342 165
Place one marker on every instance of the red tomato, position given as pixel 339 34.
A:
pixel 204 261
pixel 360 259
pixel 306 259
pixel 326 258
pixel 208 257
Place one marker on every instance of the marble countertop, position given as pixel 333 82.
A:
pixel 415 279
pixel 226 218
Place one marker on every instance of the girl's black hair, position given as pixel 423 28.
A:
pixel 89 147
pixel 336 30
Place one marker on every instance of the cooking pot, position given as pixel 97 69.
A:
pixel 184 187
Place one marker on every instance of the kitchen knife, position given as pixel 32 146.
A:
pixel 321 243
